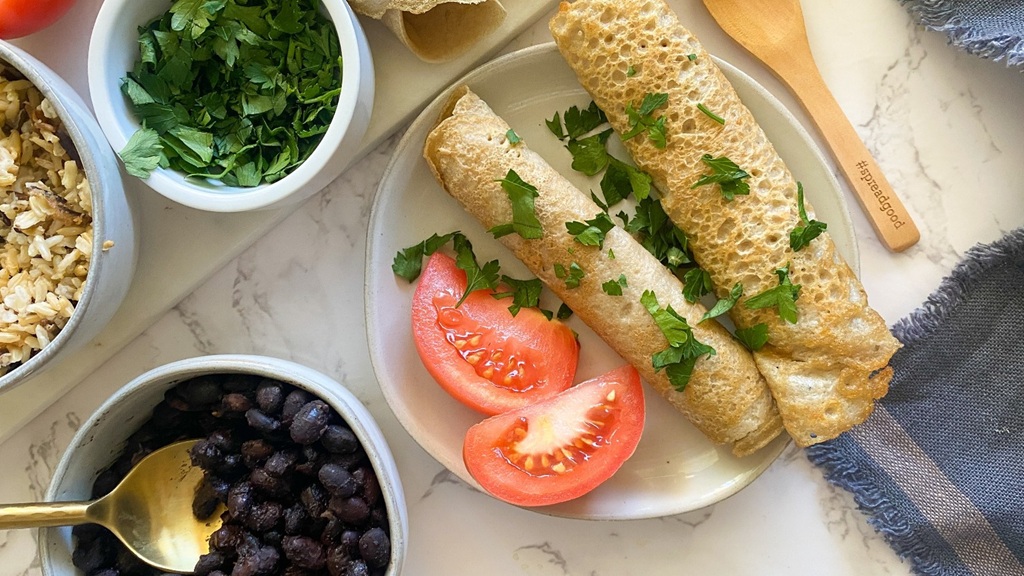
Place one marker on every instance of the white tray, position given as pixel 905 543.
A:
pixel 180 246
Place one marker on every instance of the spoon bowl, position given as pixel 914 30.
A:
pixel 150 511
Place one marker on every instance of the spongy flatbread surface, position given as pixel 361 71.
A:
pixel 826 370
pixel 726 398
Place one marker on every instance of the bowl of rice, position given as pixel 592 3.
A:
pixel 67 231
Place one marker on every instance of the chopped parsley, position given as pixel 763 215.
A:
pixel 710 114
pixel 614 287
pixel 591 232
pixel 631 71
pixel 724 304
pixel 754 338
pixel 691 57
pixel 807 230
pixel 563 311
pixel 642 120
pixel 589 155
pixel 524 293
pixel 236 93
pixel 730 178
pixel 513 138
pixel 696 283
pixel 524 217
pixel 683 349
pixel 572 276
pixel 477 277
pixel 782 297
pixel 656 233
pixel 408 263
pixel 577 122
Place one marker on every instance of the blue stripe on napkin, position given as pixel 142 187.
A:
pixel 939 467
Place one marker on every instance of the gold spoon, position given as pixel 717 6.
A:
pixel 773 31
pixel 150 511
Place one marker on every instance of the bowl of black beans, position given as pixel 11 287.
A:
pixel 293 462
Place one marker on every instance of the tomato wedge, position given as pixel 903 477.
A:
pixel 479 353
pixel 562 447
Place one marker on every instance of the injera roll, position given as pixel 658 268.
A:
pixel 826 370
pixel 726 398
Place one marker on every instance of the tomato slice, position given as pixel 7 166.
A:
pixel 562 447
pixel 479 353
pixel 22 17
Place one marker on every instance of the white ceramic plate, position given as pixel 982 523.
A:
pixel 675 469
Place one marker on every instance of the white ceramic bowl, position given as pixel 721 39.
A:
pixel 102 438
pixel 110 271
pixel 113 51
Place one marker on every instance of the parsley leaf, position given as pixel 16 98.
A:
pixel 710 114
pixel 614 287
pixel 782 297
pixel 684 350
pixel 658 234
pixel 477 277
pixel 563 311
pixel 754 338
pixel 631 71
pixel 579 122
pixel 589 154
pixel 555 126
pixel 524 294
pixel 142 153
pixel 696 283
pixel 724 304
pixel 729 177
pixel 572 276
pixel 524 217
pixel 408 263
pixel 591 232
pixel 807 230
pixel 641 120
pixel 513 138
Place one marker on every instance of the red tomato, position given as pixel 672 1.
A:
pixel 479 353
pixel 562 447
pixel 22 17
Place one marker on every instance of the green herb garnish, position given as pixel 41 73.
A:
pixel 730 178
pixel 512 137
pixel 477 277
pixel 408 263
pixel 591 232
pixel 696 283
pixel 630 72
pixel 782 297
pixel 237 93
pixel 614 287
pixel 724 304
pixel 641 120
pixel 563 312
pixel 524 217
pixel 524 293
pixel 754 338
pixel 683 351
pixel 807 230
pixel 710 114
pixel 655 232
pixel 691 57
pixel 589 154
pixel 572 276
pixel 577 122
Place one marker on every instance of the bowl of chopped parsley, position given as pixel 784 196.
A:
pixel 231 105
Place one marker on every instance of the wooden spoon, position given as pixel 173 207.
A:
pixel 150 511
pixel 773 31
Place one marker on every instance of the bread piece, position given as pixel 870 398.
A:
pixel 826 370
pixel 726 398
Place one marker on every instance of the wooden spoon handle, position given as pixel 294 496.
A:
pixel 883 208
pixel 43 514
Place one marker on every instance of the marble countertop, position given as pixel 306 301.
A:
pixel 943 125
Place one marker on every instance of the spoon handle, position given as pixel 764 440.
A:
pixel 884 209
pixel 43 514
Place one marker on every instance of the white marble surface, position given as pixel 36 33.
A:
pixel 945 128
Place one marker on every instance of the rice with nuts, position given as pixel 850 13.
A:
pixel 45 223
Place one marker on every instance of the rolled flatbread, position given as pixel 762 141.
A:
pixel 827 369
pixel 435 30
pixel 726 398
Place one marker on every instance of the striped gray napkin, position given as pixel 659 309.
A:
pixel 939 466
pixel 987 28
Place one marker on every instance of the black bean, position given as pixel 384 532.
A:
pixel 211 492
pixel 310 422
pixel 357 568
pixel 348 461
pixel 262 561
pixel 240 500
pixel 263 516
pixel 223 439
pixel 304 552
pixel 339 439
pixel 337 480
pixel 227 537
pixel 86 533
pixel 238 382
pixel 201 390
pixel 295 400
pixel 206 455
pixel 353 510
pixel 254 452
pixel 261 422
pixel 270 396
pixel 375 547
pixel 314 498
pixel 379 517
pixel 230 465
pixel 295 519
pixel 338 558
pixel 368 482
pixel 331 533
pixel 269 485
pixel 235 402
pixel 107 572
pixel 208 563
pixel 105 482
pixel 350 541
pixel 281 462
pixel 99 554
pixel 272 538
